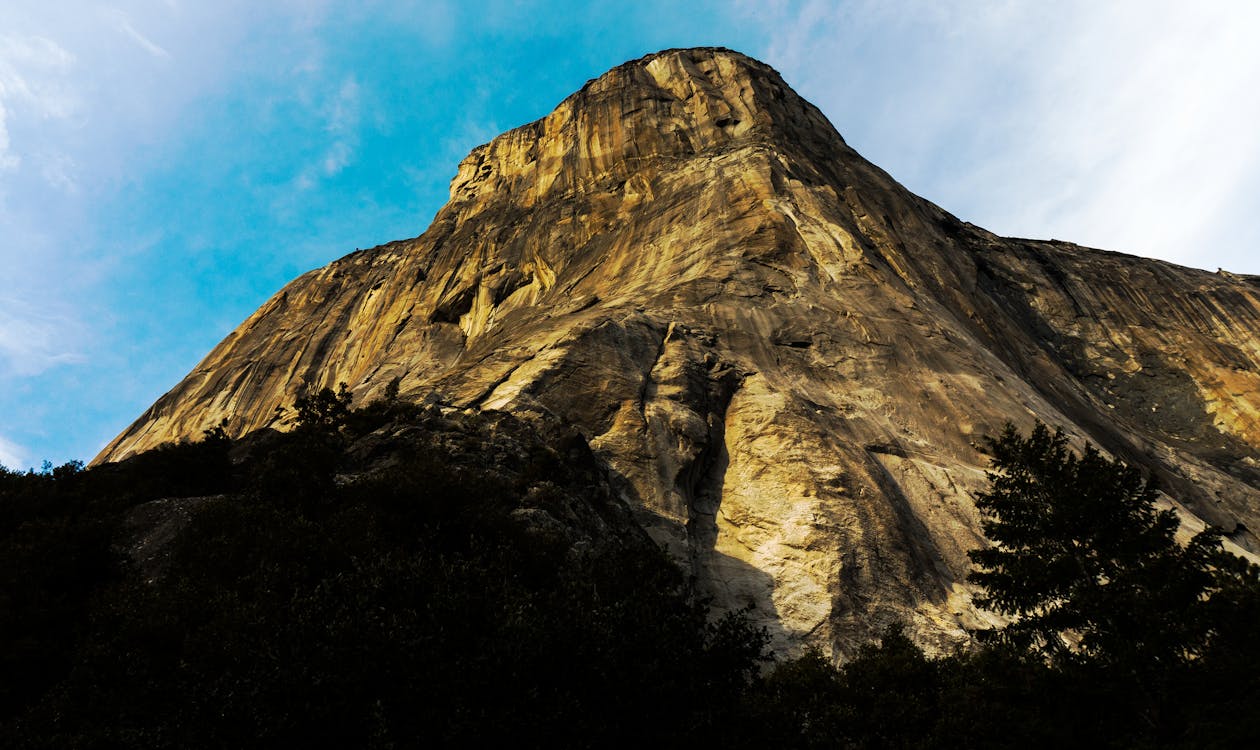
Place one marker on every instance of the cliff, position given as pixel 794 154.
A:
pixel 784 358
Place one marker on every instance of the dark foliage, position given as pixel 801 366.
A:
pixel 1087 565
pixel 409 604
pixel 298 609
pixel 1098 586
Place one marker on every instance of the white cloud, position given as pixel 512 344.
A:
pixel 12 455
pixel 38 97
pixel 32 341
pixel 344 109
pixel 32 74
pixel 342 116
pixel 85 96
pixel 58 171
pixel 33 70
pixel 337 158
pixel 1153 129
pixel 124 25
pixel 1127 125
pixel 8 160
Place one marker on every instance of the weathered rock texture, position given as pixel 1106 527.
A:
pixel 786 360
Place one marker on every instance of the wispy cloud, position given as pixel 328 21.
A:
pixel 32 74
pixel 342 114
pixel 12 455
pixel 344 110
pixel 59 171
pixel 32 341
pixel 33 87
pixel 1127 125
pixel 124 25
pixel 39 328
pixel 336 158
pixel 343 118
pixel 8 160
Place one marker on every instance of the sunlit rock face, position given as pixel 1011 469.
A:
pixel 786 360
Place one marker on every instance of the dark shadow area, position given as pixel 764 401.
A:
pixel 392 575
pixel 402 575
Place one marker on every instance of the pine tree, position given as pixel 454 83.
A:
pixel 1088 567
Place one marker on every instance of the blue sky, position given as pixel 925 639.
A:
pixel 167 165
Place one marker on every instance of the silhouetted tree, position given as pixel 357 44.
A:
pixel 325 410
pixel 1090 570
pixel 1084 561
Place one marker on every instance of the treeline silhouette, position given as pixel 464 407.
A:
pixel 392 576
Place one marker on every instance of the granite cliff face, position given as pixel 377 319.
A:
pixel 785 359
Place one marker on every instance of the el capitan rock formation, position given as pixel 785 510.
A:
pixel 785 359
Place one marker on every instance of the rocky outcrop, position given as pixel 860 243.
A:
pixel 786 360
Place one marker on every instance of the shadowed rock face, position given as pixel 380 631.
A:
pixel 786 360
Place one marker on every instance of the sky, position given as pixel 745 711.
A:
pixel 168 165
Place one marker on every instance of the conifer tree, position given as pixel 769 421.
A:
pixel 1088 567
